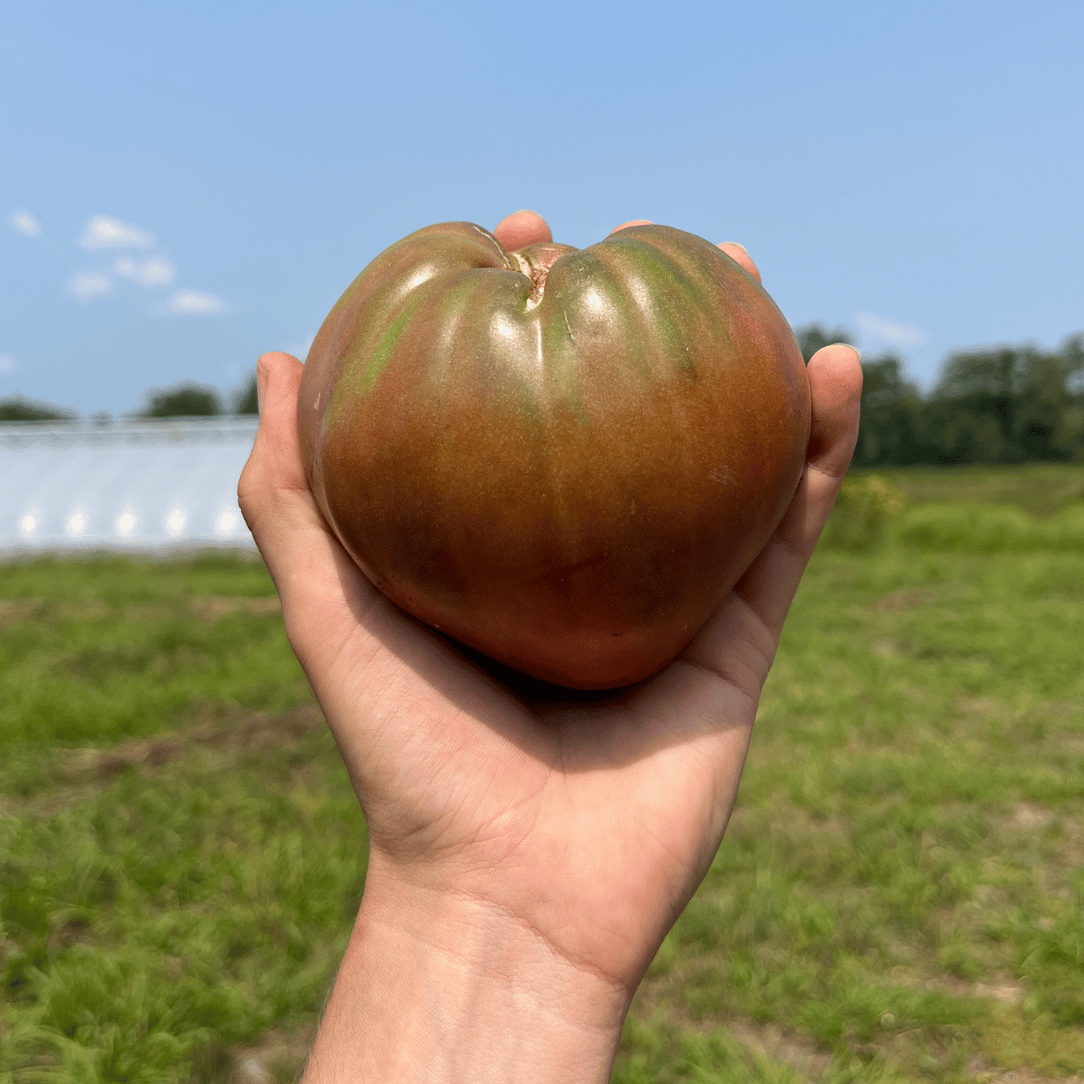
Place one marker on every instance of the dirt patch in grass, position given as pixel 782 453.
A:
pixel 277 1058
pixel 209 608
pixel 240 732
pixel 981 707
pixel 13 610
pixel 888 649
pixel 906 598
pixel 1021 1076
pixel 213 608
pixel 1030 816
pixel 770 1042
pixel 658 1000
pixel 982 1073
pixel 229 735
pixel 1008 993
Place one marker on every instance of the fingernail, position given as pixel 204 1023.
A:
pixel 737 244
pixel 261 380
pixel 631 223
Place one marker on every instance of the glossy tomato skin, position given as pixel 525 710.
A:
pixel 569 480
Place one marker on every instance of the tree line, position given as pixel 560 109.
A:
pixel 1004 404
pixel 186 400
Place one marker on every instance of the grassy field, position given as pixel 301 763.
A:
pixel 1041 489
pixel 900 897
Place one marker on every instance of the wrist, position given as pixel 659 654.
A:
pixel 442 990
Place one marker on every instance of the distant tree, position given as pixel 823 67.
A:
pixel 977 396
pixel 247 402
pixel 1069 441
pixel 183 401
pixel 1042 400
pixel 1072 350
pixel 812 337
pixel 1007 405
pixel 953 432
pixel 18 409
pixel 891 421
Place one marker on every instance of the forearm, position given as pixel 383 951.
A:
pixel 450 992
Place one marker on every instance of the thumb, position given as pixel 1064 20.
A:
pixel 273 485
pixel 302 554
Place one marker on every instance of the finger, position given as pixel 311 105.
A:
pixel 522 228
pixel 302 555
pixel 277 378
pixel 632 222
pixel 835 384
pixel 738 254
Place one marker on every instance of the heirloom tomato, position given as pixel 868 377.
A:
pixel 563 458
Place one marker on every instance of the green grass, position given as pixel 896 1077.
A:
pixel 899 898
pixel 902 887
pixel 161 905
pixel 1040 489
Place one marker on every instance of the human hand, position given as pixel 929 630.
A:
pixel 529 847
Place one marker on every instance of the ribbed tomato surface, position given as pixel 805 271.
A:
pixel 563 458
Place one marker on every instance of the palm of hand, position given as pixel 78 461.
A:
pixel 587 819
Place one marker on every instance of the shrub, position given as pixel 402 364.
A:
pixel 18 409
pixel 183 401
pixel 866 505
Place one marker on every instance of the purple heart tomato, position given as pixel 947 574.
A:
pixel 563 458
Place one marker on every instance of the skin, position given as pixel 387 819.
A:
pixel 527 855
pixel 570 487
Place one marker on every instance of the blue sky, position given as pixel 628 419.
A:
pixel 185 186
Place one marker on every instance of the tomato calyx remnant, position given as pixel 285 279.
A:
pixel 535 262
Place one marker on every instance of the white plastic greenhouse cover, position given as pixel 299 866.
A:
pixel 147 485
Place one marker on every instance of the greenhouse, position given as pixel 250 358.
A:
pixel 123 485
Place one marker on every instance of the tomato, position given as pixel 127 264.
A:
pixel 563 458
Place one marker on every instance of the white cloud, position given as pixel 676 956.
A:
pixel 153 271
pixel 881 331
pixel 195 303
pixel 87 285
pixel 105 232
pixel 7 363
pixel 25 223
